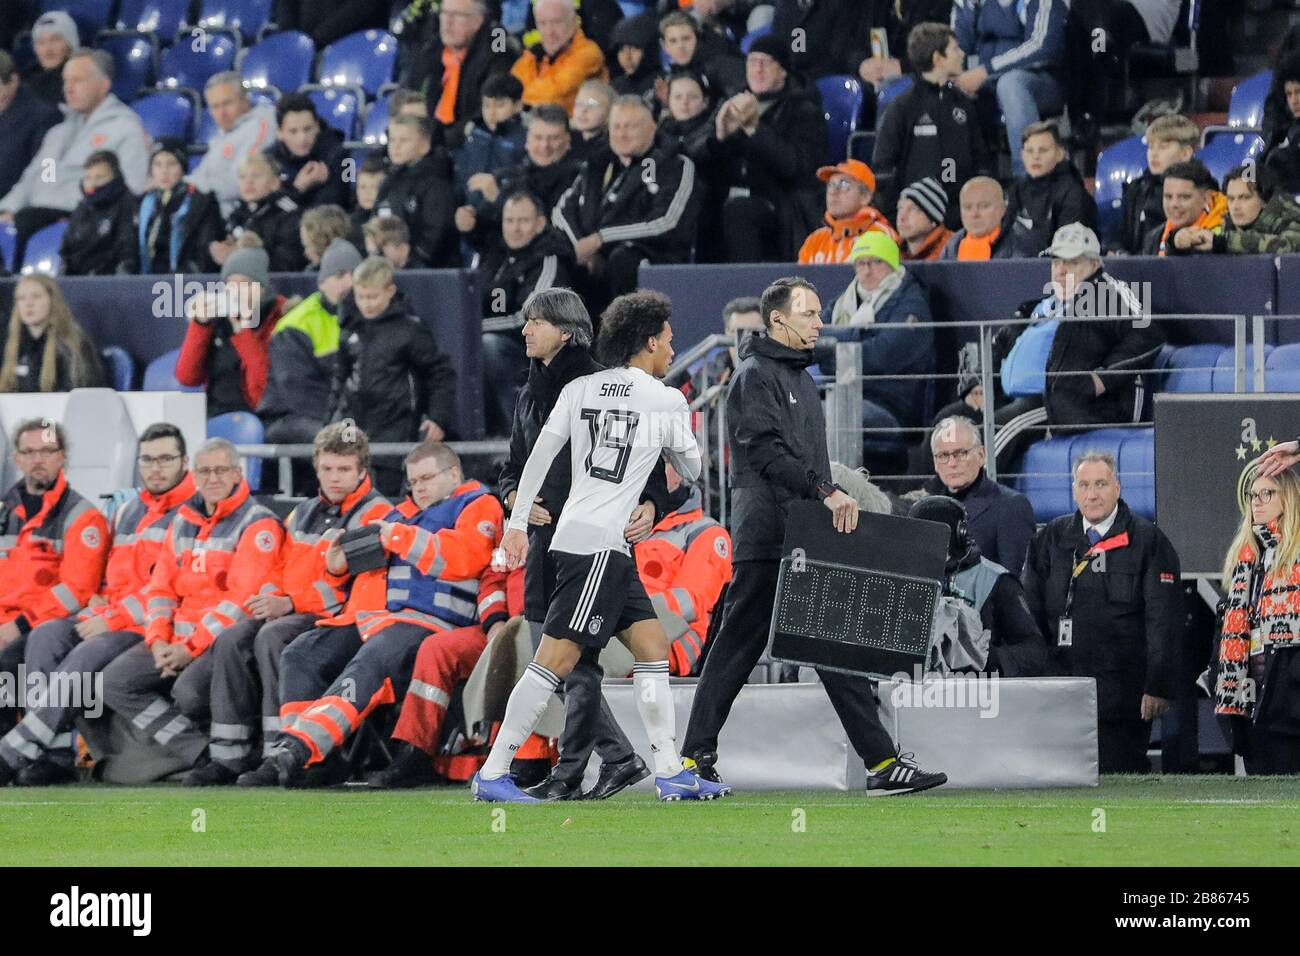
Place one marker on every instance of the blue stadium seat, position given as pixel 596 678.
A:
pixel 748 39
pixel 166 114
pixel 374 132
pixel 1118 165
pixel 365 60
pixel 242 428
pixel 247 17
pixel 90 16
pixel 1224 151
pixel 133 63
pixel 890 92
pixel 160 375
pixel 338 108
pixel 1191 368
pixel 207 127
pixel 1246 108
pixel 1224 376
pixel 1282 369
pixel 1045 477
pixel 162 18
pixel 632 8
pixel 42 253
pixel 514 15
pixel 841 104
pixel 183 66
pixel 120 367
pixel 8 245
pixel 1137 470
pixel 282 60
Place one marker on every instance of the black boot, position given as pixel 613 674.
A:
pixel 291 761
pixel 45 773
pixel 266 775
pixel 410 768
pixel 211 774
pixel 617 776
pixel 555 788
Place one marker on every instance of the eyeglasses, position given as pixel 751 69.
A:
pixel 590 102
pixel 842 185
pixel 149 461
pixel 38 452
pixel 1262 497
pixel 958 454
pixel 425 479
pixel 219 471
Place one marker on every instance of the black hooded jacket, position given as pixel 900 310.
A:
pixel 1036 208
pixel 421 195
pixel 640 31
pixel 99 240
pixel 511 275
pixel 327 149
pixel 275 219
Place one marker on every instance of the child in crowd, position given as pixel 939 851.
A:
pixel 1171 139
pixel 98 240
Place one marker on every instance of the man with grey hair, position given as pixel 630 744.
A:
pixel 553 69
pixel 218 554
pixel 95 120
pixel 558 335
pixel 1001 520
pixel 1103 587
pixel 242 130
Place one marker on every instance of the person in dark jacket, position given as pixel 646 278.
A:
pixel 633 56
pixel 687 127
pixel 1261 217
pixel 1050 194
pixel 45 349
pixel 1001 520
pixel 54 38
pixel 418 191
pixel 25 118
pixel 310 155
pixel 1103 586
pixel 836 35
pixel 264 209
pixel 496 141
pixel 1193 206
pixel 931 130
pixel 101 230
pixel 1016 646
pixel 1171 139
pixel 1282 152
pixel 708 54
pixel 390 378
pixel 328 20
pixel 889 26
pixel 534 257
pixel 769 142
pixel 175 223
pixel 589 125
pixel 778 456
pixel 635 203
pixel 458 39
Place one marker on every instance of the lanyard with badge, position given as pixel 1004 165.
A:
pixel 1253 609
pixel 1065 625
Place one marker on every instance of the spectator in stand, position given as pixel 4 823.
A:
pixel 1001 520
pixel 922 208
pixel 930 131
pixel 982 234
pixel 596 18
pixel 1103 585
pixel 45 349
pixel 1277 114
pixel 328 20
pixel 709 55
pixel 834 35
pixel 101 230
pixel 1261 217
pixel 553 68
pixel 389 237
pixel 265 210
pixel 390 377
pixel 227 342
pixel 1192 203
pixel 417 191
pixel 1171 139
pixel 50 187
pixel 769 142
pixel 243 130
pixel 496 141
pixel 370 180
pixel 318 228
pixel 590 125
pixel 54 38
pixel 687 125
pixel 1050 194
pixel 1282 152
pixel 633 58
pixel 25 118
pixel 175 223
pixel 303 351
pixel 1019 55
pixel 533 256
pixel 310 155
pixel 850 188
pixel 407 103
pixel 451 64
pixel 635 203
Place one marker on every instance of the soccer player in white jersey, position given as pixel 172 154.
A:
pixel 617 423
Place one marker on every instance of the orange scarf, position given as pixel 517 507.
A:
pixel 451 64
pixel 975 248
pixel 1212 218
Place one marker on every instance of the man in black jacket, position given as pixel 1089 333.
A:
pixel 558 335
pixel 630 204
pixel 778 455
pixel 534 257
pixel 100 236
pixel 310 155
pixel 1103 585
pixel 25 118
pixel 930 130
pixel 1050 194
pixel 328 20
pixel 418 190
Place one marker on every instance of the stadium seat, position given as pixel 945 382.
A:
pixel 365 60
pixel 208 126
pixel 514 15
pixel 133 63
pixel 336 107
pixel 161 18
pixel 120 367
pixel 1224 379
pixel 182 66
pixel 1117 166
pixel 42 253
pixel 166 114
pixel 246 17
pixel 841 104
pixel 282 60
pixel 99 428
pixel 1191 368
pixel 1045 477
pixel 90 16
pixel 160 375
pixel 1282 369
pixel 889 93
pixel 632 8
pixel 1137 470
pixel 374 132
pixel 1224 151
pixel 8 245
pixel 242 428
pixel 1246 108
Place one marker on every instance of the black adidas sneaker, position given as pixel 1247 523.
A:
pixel 902 776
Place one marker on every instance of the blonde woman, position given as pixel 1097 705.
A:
pixel 45 349
pixel 1258 680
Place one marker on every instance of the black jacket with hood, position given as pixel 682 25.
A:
pixel 100 237
pixel 1036 208
pixel 327 149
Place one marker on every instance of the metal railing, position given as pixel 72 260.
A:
pixel 285 454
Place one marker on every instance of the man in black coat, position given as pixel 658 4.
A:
pixel 1103 585
pixel 310 155
pixel 328 20
pixel 418 190
pixel 25 118
pixel 100 237
pixel 778 455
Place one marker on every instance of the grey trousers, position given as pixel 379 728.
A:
pixel 136 691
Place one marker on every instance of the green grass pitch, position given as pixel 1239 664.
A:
pixel 1125 821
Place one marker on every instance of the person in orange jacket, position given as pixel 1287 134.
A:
pixel 850 188
pixel 69 651
pixel 553 69
pixel 246 657
pixel 439 543
pixel 53 544
pixel 220 550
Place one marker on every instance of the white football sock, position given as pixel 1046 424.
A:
pixel 523 711
pixel 654 702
